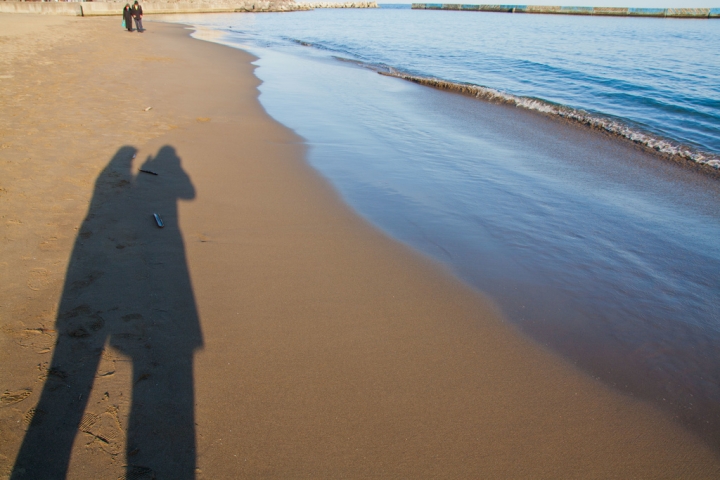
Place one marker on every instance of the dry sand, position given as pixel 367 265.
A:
pixel 266 331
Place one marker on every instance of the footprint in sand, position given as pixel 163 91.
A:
pixel 107 364
pixel 49 245
pixel 39 279
pixel 31 414
pixel 106 431
pixel 80 323
pixel 17 396
pixel 40 339
pixel 136 472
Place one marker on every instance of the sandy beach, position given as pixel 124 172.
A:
pixel 266 330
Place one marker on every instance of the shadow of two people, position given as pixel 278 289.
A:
pixel 127 286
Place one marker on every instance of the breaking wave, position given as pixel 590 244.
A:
pixel 654 143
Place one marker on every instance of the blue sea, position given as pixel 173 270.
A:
pixel 551 185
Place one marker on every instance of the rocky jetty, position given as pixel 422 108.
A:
pixel 598 11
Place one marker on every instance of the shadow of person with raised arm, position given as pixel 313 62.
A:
pixel 127 286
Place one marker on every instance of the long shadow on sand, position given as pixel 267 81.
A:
pixel 127 286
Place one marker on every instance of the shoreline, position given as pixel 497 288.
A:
pixel 413 199
pixel 685 156
pixel 326 347
pixel 667 149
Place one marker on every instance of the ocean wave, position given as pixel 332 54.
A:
pixel 654 143
pixel 302 42
pixel 651 142
pixel 614 127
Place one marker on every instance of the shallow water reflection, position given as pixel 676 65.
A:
pixel 605 254
pixel 602 253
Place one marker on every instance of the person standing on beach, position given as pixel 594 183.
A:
pixel 137 15
pixel 127 17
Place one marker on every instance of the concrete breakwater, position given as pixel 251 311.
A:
pixel 601 11
pixel 89 9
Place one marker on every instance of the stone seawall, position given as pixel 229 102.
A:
pixel 89 9
pixel 43 8
pixel 600 11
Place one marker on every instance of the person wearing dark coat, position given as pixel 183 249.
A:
pixel 128 17
pixel 137 14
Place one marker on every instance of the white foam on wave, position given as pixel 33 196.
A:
pixel 657 144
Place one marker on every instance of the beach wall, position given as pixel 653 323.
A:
pixel 150 8
pixel 89 9
pixel 600 11
pixel 43 8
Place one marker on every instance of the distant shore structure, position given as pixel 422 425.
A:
pixel 599 11
pixel 314 5
pixel 104 8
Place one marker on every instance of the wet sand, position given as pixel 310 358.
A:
pixel 266 330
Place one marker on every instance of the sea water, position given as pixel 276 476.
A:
pixel 605 254
pixel 653 80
